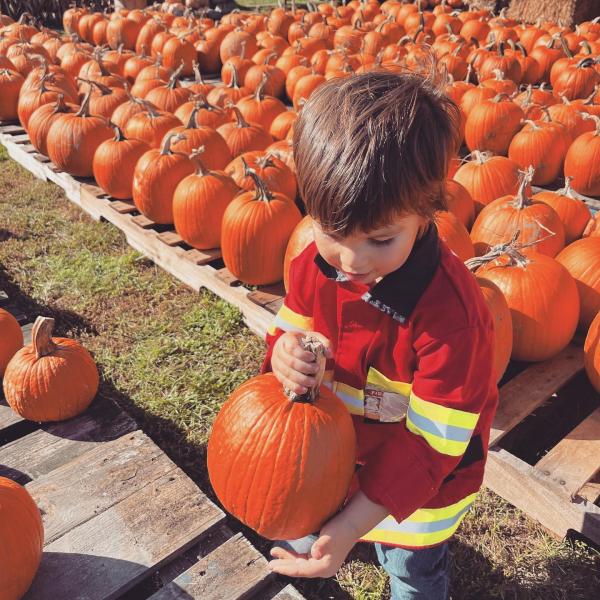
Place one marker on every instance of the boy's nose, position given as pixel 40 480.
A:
pixel 352 262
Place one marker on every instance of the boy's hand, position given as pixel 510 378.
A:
pixel 293 366
pixel 326 556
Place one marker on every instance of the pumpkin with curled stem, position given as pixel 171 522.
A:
pixel 52 379
pixel 282 464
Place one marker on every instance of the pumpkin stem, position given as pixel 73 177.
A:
pixel 84 111
pixel 567 190
pixel 41 337
pixel 316 348
pixel 172 84
pixel 197 73
pixel 259 95
pixel 61 105
pixel 233 84
pixel 262 192
pixel 119 135
pixel 195 157
pixel 510 249
pixel 166 147
pixel 105 90
pixel 594 118
pixel 241 122
pixel 525 179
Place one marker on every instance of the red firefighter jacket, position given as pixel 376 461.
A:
pixel 413 363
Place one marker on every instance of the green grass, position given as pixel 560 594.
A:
pixel 170 357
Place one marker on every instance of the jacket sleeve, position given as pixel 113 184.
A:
pixel 452 384
pixel 296 312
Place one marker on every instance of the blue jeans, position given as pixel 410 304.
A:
pixel 414 574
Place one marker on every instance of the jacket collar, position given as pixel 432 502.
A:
pixel 398 292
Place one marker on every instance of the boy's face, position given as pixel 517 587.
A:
pixel 366 257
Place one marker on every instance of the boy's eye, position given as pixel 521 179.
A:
pixel 381 242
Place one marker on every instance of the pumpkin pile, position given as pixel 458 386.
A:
pixel 214 158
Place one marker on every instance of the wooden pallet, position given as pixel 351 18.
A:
pixel 560 490
pixel 120 516
pixel 160 243
pixel 537 489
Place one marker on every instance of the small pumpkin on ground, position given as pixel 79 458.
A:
pixel 52 379
pixel 21 539
pixel 288 439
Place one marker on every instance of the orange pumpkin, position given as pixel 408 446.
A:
pixel 582 260
pixel 581 163
pixel 257 226
pixel 11 338
pixel 157 174
pixel 242 136
pixel 114 164
pixel 453 232
pixel 302 236
pixel 310 479
pixel 543 301
pixel 199 202
pixel 21 539
pixel 591 353
pixel 538 222
pixel 573 212
pixel 52 379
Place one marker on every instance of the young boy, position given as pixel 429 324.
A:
pixel 408 337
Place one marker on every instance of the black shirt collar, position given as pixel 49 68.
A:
pixel 398 292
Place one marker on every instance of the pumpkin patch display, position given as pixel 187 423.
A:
pixel 288 441
pixel 11 338
pixel 52 379
pixel 21 539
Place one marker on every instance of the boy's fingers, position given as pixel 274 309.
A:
pixel 288 384
pixel 325 341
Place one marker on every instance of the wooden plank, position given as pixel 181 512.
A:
pixel 122 206
pixel 227 277
pixel 576 458
pixel 27 329
pixel 26 160
pixel 8 418
pixel 528 390
pixel 170 238
pixel 235 570
pixel 143 222
pixel 203 257
pixel 288 593
pixel 8 129
pixel 528 489
pixel 96 480
pixel 589 492
pixel 111 552
pixel 56 444
pixel 19 138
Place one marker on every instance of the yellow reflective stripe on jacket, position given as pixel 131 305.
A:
pixel 353 398
pixel 446 430
pixel 425 527
pixel 288 320
pixel 374 377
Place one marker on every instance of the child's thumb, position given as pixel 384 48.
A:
pixel 318 549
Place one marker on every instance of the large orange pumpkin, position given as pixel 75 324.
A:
pixel 302 236
pixel 454 234
pixel 581 162
pixel 11 338
pixel 542 297
pixel 573 212
pixel 582 260
pixel 591 353
pixel 537 221
pixel 21 539
pixel 73 139
pixel 256 228
pixel 52 379
pixel 199 202
pixel 266 445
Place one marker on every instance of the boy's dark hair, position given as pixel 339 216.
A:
pixel 369 147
